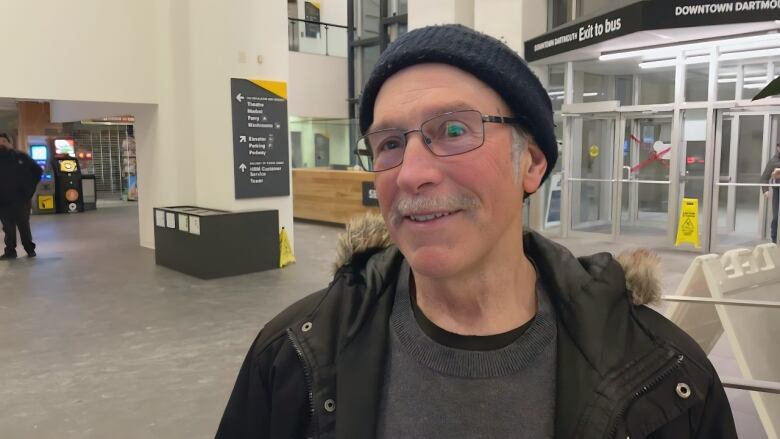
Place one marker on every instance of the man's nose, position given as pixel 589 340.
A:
pixel 420 168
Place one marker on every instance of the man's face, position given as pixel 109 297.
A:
pixel 477 190
pixel 4 144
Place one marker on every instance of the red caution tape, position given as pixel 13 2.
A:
pixel 653 157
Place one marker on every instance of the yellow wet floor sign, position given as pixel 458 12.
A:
pixel 45 202
pixel 688 227
pixel 285 251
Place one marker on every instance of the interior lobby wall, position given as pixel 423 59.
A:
pixel 45 44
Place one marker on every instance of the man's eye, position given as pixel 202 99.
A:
pixel 454 129
pixel 390 144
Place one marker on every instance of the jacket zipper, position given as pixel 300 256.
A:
pixel 307 377
pixel 648 386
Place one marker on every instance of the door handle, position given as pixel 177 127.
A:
pixel 628 174
pixel 724 179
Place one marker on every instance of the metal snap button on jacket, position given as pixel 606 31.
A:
pixel 330 406
pixel 306 327
pixel 683 390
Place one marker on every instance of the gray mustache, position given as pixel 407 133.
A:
pixel 405 206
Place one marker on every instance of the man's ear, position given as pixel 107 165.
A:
pixel 536 167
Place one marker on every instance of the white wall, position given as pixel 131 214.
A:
pixel 534 19
pixel 428 12
pixel 318 86
pixel 511 21
pixel 94 50
pixel 502 19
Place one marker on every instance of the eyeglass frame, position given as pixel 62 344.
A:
pixel 485 118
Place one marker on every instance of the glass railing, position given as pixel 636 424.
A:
pixel 318 143
pixel 316 37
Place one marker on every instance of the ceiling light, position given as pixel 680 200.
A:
pixel 555 93
pixel 590 94
pixel 745 79
pixel 749 54
pixel 672 50
pixel 731 56
pixel 673 62
pixel 753 85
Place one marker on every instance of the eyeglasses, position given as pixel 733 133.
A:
pixel 448 134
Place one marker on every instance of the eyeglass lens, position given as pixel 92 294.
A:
pixel 444 135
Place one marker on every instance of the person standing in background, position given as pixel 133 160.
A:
pixel 19 177
pixel 772 174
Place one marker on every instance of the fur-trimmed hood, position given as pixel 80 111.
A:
pixel 641 267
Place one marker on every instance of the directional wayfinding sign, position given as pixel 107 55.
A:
pixel 260 149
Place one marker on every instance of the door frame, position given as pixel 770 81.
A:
pixel 567 204
pixel 770 113
pixel 619 115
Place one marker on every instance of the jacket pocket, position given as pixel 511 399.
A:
pixel 667 409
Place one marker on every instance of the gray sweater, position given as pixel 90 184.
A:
pixel 434 391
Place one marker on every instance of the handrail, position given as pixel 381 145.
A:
pixel 748 184
pixel 317 22
pixel 754 385
pixel 713 301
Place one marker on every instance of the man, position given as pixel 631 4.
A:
pixel 466 326
pixel 772 172
pixel 19 176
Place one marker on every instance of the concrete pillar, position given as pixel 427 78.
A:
pixel 185 149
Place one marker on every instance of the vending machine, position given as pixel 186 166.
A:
pixel 68 193
pixel 43 200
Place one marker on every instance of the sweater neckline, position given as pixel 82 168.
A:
pixel 507 360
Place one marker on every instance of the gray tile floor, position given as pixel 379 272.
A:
pixel 96 341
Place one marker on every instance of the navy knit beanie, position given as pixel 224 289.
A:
pixel 490 60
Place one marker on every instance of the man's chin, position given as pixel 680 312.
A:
pixel 433 261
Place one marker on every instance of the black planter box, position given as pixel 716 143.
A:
pixel 209 244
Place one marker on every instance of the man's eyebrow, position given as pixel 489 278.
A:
pixel 430 111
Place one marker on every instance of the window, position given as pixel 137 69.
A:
pixel 697 78
pixel 657 86
pixel 555 81
pixel 560 12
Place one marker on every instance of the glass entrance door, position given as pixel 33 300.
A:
pixel 592 188
pixel 645 175
pixel 631 171
pixel 745 142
